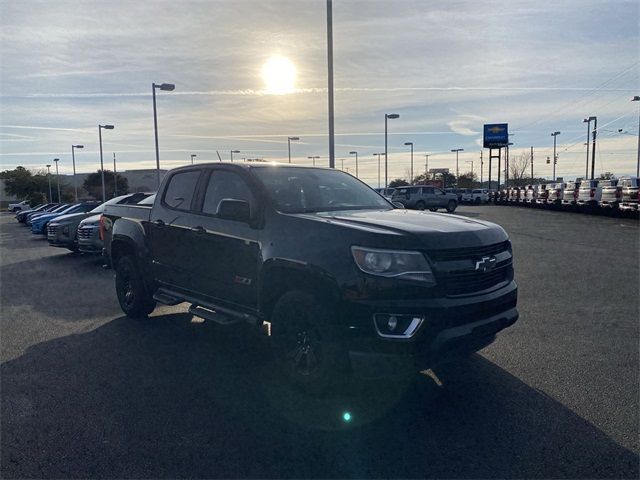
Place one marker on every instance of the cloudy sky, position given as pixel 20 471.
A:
pixel 445 67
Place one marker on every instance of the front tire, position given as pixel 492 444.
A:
pixel 134 298
pixel 308 350
pixel 451 206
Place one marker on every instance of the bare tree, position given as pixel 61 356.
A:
pixel 519 167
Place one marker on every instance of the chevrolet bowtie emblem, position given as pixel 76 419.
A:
pixel 485 264
pixel 496 129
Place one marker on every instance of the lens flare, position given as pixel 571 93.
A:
pixel 279 75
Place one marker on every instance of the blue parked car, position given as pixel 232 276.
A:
pixel 39 223
pixel 52 209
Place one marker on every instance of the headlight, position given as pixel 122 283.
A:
pixel 406 265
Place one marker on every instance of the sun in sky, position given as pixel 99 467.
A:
pixel 279 75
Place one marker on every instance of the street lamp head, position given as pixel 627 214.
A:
pixel 555 133
pixel 56 159
pixel 392 115
pixel 408 143
pixel 458 150
pixel 353 153
pixel 636 98
pixel 48 166
pixel 77 146
pixel 167 87
pixel 235 151
pixel 294 138
pixel 106 127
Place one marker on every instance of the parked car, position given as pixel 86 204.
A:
pixel 589 193
pixel 346 282
pixel 480 196
pixel 630 187
pixel 386 192
pixel 18 207
pixel 90 239
pixel 39 223
pixel 611 194
pixel 514 195
pixel 570 194
pixel 542 195
pixel 556 192
pixel 62 232
pixel 527 195
pixel 466 195
pixel 55 209
pixel 21 215
pixel 425 197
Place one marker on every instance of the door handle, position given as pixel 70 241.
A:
pixel 198 229
pixel 159 223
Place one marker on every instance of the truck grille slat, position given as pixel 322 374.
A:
pixel 85 233
pixel 467 253
pixel 469 282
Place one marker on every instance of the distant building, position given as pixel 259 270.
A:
pixel 143 180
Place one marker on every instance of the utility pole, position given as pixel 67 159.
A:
pixel 332 154
pixel 49 178
pixel 426 167
pixel 115 177
pixel 531 162
pixel 378 154
pixel 457 150
pixel 593 148
pixel 481 167
pixel 555 156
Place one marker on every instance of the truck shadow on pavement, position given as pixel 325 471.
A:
pixel 167 397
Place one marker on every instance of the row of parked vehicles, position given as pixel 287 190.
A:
pixel 613 195
pixel 72 225
pixel 344 281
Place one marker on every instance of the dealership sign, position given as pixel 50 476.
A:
pixel 439 170
pixel 496 135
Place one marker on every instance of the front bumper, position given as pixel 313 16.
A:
pixel 452 328
pixel 629 206
pixel 89 240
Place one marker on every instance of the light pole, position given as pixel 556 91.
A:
pixel 588 122
pixel 387 116
pixel 411 143
pixel 56 160
pixel 165 87
pixel 378 154
pixel 314 159
pixel 100 127
pixel 636 98
pixel 593 147
pixel 555 156
pixel 49 178
pixel 193 155
pixel 342 164
pixel 457 150
pixel 356 154
pixel 73 159
pixel 471 162
pixel 236 151
pixel 115 177
pixel 289 145
pixel 426 167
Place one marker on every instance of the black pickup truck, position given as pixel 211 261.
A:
pixel 345 281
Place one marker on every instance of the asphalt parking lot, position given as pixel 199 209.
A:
pixel 87 392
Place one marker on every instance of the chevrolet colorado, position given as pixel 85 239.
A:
pixel 344 281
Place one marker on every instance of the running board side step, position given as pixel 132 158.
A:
pixel 165 298
pixel 214 316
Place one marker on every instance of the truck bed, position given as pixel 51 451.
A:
pixel 133 212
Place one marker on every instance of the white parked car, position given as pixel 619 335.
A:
pixel 570 193
pixel 480 195
pixel 611 194
pixel 18 207
pixel 589 194
pixel 630 187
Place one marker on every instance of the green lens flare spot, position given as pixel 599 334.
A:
pixel 346 416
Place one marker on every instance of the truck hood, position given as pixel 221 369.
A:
pixel 434 230
pixel 91 220
pixel 72 217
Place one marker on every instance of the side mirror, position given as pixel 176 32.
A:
pixel 233 209
pixel 398 205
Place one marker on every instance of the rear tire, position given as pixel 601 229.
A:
pixel 134 298
pixel 308 350
pixel 451 206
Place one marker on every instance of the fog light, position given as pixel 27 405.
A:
pixel 397 325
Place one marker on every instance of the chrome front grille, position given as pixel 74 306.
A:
pixel 85 233
pixel 472 253
pixel 52 230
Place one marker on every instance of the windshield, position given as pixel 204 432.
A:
pixel 297 190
